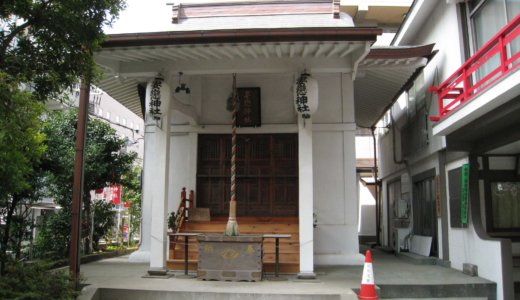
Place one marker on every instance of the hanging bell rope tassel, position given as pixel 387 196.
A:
pixel 232 225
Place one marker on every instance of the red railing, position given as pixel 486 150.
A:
pixel 464 84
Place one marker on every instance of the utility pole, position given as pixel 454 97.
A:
pixel 77 188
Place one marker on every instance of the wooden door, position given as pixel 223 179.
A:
pixel 267 174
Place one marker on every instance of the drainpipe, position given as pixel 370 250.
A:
pixel 378 200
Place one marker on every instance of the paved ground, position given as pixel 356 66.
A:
pixel 337 281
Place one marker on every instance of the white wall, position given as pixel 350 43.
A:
pixel 181 155
pixel 335 198
pixel 335 180
pixel 367 211
pixel 441 28
pixel 466 247
pixel 276 97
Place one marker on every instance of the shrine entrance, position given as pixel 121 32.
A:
pixel 267 174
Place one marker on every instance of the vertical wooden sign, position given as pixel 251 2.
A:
pixel 464 194
pixel 248 114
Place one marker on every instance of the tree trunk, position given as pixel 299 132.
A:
pixel 88 223
pixel 6 236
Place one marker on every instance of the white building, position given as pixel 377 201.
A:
pixel 449 158
pixel 314 160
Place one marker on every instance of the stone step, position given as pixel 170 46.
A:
pixel 436 291
pixel 450 298
pixel 417 259
pixel 112 293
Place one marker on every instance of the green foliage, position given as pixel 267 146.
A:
pixel 21 147
pixel 52 241
pixel 105 160
pixel 21 142
pixel 105 163
pixel 35 282
pixel 171 220
pixel 103 220
pixel 131 194
pixel 49 43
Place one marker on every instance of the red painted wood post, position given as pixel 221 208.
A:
pixel 503 55
pixel 466 86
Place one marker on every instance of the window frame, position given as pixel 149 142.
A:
pixel 489 177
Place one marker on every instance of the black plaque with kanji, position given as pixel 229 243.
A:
pixel 248 114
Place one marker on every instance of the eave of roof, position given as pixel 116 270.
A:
pixel 395 52
pixel 388 71
pixel 242 36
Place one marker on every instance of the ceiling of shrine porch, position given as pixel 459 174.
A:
pixel 380 75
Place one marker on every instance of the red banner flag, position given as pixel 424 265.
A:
pixel 116 194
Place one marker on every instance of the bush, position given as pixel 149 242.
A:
pixel 35 282
pixel 52 241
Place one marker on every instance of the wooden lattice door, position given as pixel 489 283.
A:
pixel 267 174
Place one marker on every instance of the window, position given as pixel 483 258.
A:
pixel 411 103
pixel 502 196
pixel 486 18
pixel 424 208
pixel 420 92
pixel 513 9
pixel 505 200
pixel 117 119
pixel 100 112
pixel 416 96
pixel 108 115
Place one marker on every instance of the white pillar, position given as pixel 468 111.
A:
pixel 305 199
pixel 156 182
pixel 350 255
pixel 143 254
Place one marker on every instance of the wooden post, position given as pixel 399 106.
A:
pixel 77 188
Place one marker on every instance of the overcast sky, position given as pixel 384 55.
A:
pixel 143 16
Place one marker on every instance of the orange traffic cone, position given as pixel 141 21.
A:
pixel 368 287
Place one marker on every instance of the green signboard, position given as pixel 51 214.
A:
pixel 464 193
